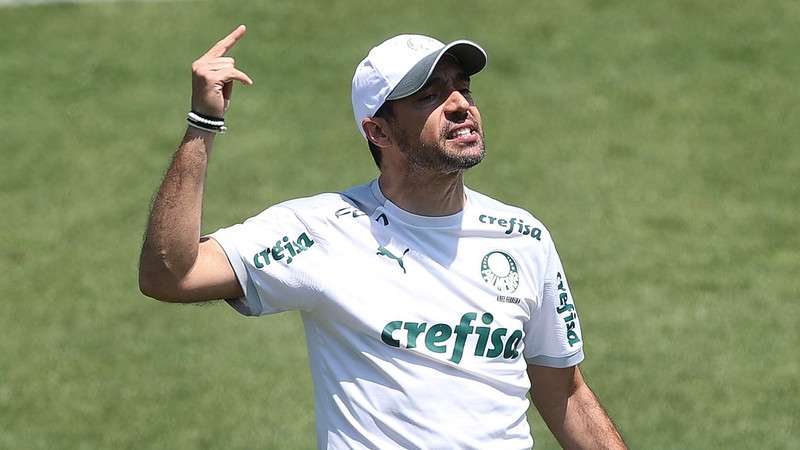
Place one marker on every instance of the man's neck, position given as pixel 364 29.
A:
pixel 425 193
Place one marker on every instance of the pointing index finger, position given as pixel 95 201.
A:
pixel 222 47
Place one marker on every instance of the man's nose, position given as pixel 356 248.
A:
pixel 456 103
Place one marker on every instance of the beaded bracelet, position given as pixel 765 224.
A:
pixel 214 125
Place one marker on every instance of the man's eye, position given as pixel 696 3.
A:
pixel 428 98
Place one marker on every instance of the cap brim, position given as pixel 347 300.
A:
pixel 470 56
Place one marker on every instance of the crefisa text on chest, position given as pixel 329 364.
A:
pixel 512 225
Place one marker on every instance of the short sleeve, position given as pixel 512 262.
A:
pixel 553 334
pixel 272 254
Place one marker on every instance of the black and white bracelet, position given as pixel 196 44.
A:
pixel 214 125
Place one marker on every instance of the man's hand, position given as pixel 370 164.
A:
pixel 213 75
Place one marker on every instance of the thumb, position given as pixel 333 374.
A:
pixel 227 92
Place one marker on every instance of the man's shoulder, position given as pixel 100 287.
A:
pixel 489 206
pixel 312 204
pixel 357 200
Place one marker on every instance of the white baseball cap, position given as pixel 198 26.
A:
pixel 400 66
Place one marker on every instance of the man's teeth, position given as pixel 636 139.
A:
pixel 462 132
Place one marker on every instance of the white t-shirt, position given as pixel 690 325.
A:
pixel 419 329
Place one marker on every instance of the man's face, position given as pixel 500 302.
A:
pixel 439 127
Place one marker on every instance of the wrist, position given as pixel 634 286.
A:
pixel 207 123
pixel 197 141
pixel 197 133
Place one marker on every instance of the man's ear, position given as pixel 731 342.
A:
pixel 376 130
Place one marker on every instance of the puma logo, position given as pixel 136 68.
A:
pixel 383 251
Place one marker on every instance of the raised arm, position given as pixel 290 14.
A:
pixel 571 410
pixel 175 264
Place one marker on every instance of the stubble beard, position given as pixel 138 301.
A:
pixel 433 157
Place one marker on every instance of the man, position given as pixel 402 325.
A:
pixel 429 309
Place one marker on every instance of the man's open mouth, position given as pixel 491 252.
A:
pixel 464 132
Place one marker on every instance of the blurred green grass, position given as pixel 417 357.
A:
pixel 658 141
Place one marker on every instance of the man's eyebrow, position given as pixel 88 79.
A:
pixel 436 80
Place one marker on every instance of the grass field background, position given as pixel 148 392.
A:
pixel 660 142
